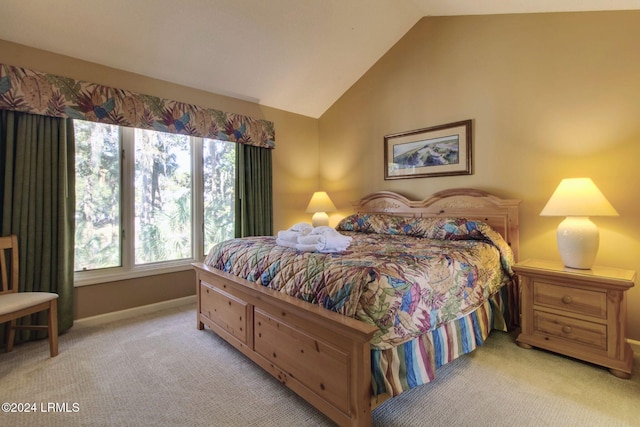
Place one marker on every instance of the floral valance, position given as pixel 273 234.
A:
pixel 34 92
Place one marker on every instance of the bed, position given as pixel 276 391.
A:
pixel 358 330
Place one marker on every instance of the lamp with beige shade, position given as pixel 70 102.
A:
pixel 578 237
pixel 319 205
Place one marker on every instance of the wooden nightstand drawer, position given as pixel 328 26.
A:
pixel 585 333
pixel 567 299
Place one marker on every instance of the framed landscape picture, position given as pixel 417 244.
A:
pixel 442 150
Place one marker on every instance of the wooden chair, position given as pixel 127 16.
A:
pixel 14 304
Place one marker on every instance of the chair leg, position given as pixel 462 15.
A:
pixel 53 327
pixel 11 334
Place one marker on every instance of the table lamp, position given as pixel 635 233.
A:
pixel 578 237
pixel 319 205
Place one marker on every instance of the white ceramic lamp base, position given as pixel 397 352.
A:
pixel 319 219
pixel 578 240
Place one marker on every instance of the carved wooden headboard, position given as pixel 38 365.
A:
pixel 501 214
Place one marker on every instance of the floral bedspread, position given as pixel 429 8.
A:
pixel 406 276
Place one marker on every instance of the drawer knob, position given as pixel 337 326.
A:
pixel 567 299
pixel 566 329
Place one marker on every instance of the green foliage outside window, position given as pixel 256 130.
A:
pixel 97 196
pixel 162 188
pixel 219 191
pixel 163 196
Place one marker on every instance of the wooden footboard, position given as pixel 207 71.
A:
pixel 322 356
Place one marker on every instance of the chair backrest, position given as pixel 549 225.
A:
pixel 9 264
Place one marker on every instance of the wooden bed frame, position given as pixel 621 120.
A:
pixel 323 356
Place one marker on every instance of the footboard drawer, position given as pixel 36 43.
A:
pixel 225 310
pixel 318 365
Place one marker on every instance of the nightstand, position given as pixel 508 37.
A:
pixel 578 313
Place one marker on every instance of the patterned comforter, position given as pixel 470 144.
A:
pixel 406 276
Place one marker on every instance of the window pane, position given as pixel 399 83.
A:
pixel 97 196
pixel 162 197
pixel 219 171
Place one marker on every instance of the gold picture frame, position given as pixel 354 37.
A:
pixel 442 150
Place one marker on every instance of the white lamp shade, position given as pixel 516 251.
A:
pixel 319 205
pixel 578 237
pixel 320 202
pixel 578 197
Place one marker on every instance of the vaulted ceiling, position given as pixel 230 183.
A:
pixel 295 55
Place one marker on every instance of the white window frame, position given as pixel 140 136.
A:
pixel 128 270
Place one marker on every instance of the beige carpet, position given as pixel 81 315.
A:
pixel 159 370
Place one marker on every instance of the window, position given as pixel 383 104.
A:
pixel 148 200
pixel 163 189
pixel 219 173
pixel 98 182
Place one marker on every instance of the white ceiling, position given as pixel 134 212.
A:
pixel 295 55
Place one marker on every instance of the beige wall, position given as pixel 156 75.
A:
pixel 551 96
pixel 295 167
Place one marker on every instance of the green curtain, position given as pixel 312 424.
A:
pixel 254 203
pixel 37 172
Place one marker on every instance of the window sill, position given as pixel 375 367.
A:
pixel 86 278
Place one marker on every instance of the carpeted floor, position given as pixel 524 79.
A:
pixel 159 370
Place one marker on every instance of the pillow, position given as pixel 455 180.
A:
pixel 378 223
pixel 432 228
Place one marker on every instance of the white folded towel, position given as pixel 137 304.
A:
pixel 304 237
pixel 311 239
pixel 288 235
pixel 332 241
pixel 323 229
pixel 323 239
pixel 286 243
pixel 302 228
pixel 307 248
pixel 289 238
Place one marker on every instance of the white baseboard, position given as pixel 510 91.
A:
pixel 635 345
pixel 132 312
